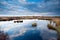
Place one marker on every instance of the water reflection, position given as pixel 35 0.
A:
pixel 25 31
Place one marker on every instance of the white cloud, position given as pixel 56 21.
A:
pixel 22 1
pixel 24 9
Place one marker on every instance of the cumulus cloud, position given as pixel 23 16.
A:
pixel 23 7
pixel 22 1
pixel 46 6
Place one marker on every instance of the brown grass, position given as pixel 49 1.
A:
pixel 34 24
pixel 57 21
pixel 51 27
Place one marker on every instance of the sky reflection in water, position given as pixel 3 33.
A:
pixel 25 31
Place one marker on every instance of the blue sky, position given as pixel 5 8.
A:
pixel 30 7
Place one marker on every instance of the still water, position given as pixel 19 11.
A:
pixel 25 31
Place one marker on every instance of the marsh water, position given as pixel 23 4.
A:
pixel 25 31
